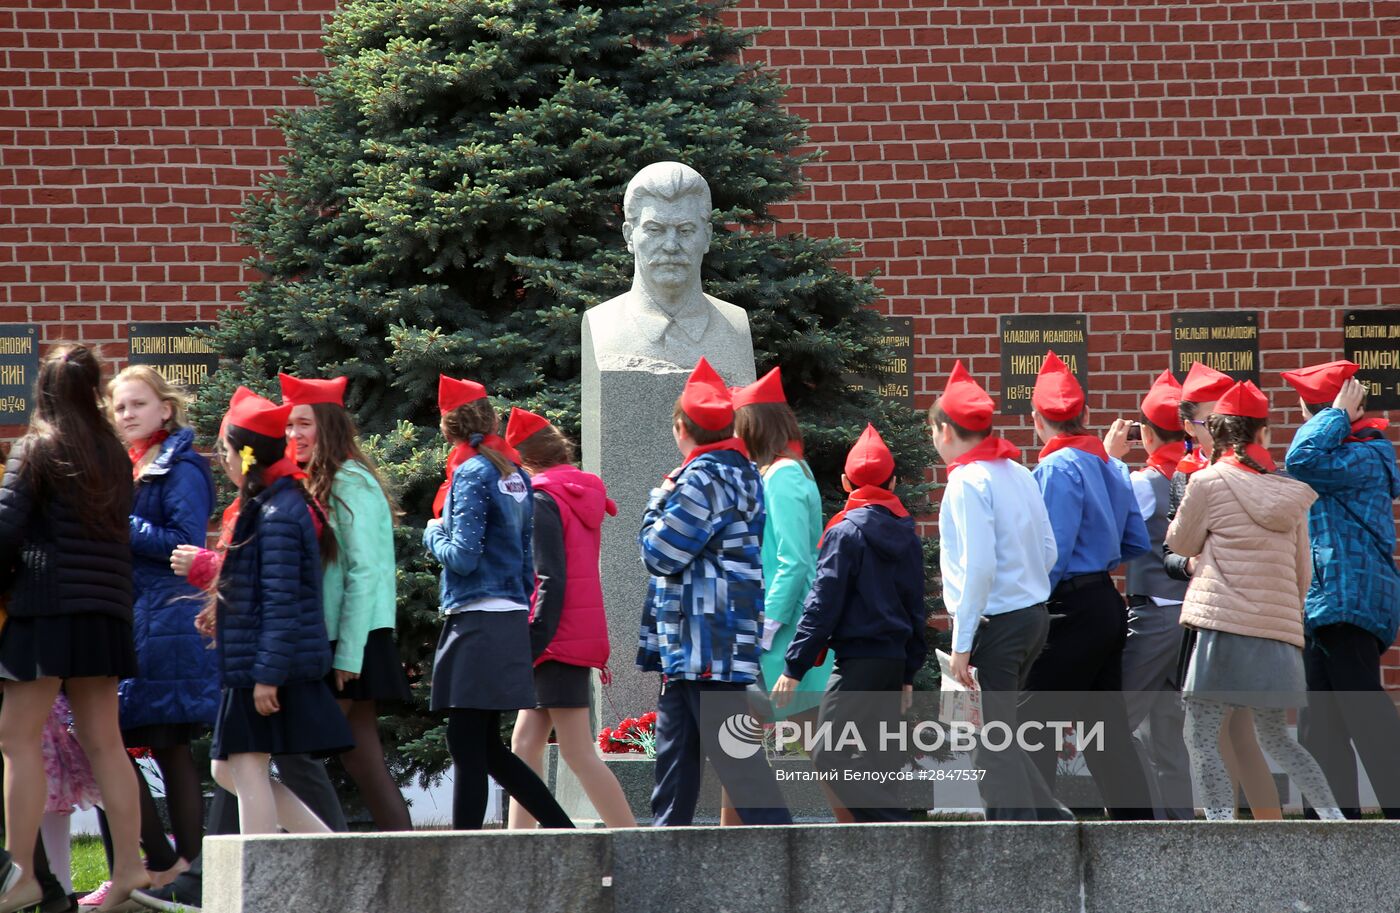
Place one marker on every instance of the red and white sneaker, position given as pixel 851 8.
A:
pixel 95 899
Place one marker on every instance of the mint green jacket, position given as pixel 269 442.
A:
pixel 359 589
pixel 794 509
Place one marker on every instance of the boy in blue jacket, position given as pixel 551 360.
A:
pixel 1353 606
pixel 867 604
pixel 1098 526
pixel 701 540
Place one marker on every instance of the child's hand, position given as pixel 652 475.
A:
pixel 265 699
pixel 962 671
pixel 435 521
pixel 182 559
pixel 782 691
pixel 342 678
pixel 1350 398
pixel 1116 440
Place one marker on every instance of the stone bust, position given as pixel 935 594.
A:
pixel 665 321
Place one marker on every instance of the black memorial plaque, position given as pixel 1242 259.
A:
pixel 19 366
pixel 183 359
pixel 895 379
pixel 1372 340
pixel 1227 341
pixel 1025 338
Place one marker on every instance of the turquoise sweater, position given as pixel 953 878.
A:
pixel 794 510
pixel 358 589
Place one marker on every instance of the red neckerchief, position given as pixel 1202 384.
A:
pixel 733 443
pixel 1192 462
pixel 992 448
pixel 138 451
pixel 1366 424
pixel 1167 458
pixel 795 448
pixel 1257 453
pixel 226 523
pixel 462 452
pixel 1085 442
pixel 865 496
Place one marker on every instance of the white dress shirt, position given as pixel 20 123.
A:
pixel 997 544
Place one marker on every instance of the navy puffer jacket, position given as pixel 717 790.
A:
pixel 271 626
pixel 179 680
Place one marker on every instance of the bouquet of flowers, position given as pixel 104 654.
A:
pixel 635 735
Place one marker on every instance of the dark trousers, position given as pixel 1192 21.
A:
pixel 685 738
pixel 1079 678
pixel 474 741
pixel 864 691
pixel 1348 709
pixel 1003 653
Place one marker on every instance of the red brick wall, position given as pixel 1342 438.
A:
pixel 1123 159
pixel 130 133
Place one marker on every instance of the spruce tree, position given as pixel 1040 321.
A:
pixel 452 204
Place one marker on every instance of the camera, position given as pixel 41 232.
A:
pixel 1135 431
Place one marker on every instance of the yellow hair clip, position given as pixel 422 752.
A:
pixel 248 459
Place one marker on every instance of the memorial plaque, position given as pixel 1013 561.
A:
pixel 1372 340
pixel 19 366
pixel 1227 341
pixel 1025 338
pixel 183 359
pixel 895 379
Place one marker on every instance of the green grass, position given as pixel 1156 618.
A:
pixel 89 864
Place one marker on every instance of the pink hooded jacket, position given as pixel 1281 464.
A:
pixel 582 636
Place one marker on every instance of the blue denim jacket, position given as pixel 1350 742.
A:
pixel 483 541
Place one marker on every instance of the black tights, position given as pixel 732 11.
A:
pixel 474 741
pixel 365 765
pixel 184 793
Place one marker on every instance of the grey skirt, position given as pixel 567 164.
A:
pixel 1245 671
pixel 483 662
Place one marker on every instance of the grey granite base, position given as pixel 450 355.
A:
pixel 1181 867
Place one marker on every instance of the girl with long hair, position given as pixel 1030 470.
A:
pixel 358 589
pixel 1246 528
pixel 65 544
pixel 481 533
pixel 793 507
pixel 174 699
pixel 568 627
pixel 269 626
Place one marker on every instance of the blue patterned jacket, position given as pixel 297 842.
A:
pixel 702 545
pixel 1354 576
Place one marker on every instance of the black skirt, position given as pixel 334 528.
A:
pixel 163 735
pixel 382 677
pixel 309 722
pixel 483 662
pixel 67 646
pixel 561 685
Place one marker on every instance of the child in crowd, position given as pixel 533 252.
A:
pixel 700 541
pixel 997 549
pixel 1246 527
pixel 1097 527
pixel 867 604
pixel 792 508
pixel 358 587
pixel 1353 603
pixel 1152 653
pixel 65 531
pixel 175 698
pixel 1200 390
pixel 271 631
pixel 568 627
pixel 481 535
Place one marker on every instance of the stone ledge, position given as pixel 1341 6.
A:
pixel 1182 867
